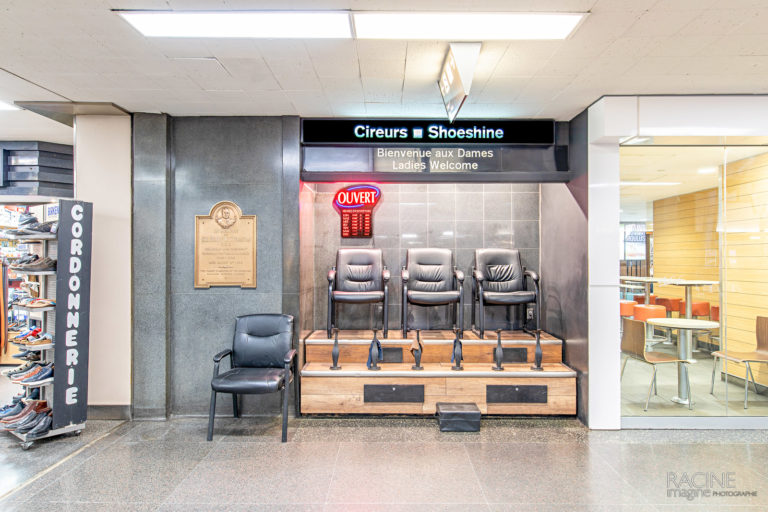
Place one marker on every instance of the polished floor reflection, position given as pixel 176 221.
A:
pixel 392 464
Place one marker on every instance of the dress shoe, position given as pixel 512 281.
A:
pixel 31 424
pixel 21 355
pixel 34 228
pixel 26 420
pixel 41 429
pixel 31 407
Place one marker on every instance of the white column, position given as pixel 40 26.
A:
pixel 103 177
pixel 609 120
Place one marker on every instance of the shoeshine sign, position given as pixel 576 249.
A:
pixel 73 290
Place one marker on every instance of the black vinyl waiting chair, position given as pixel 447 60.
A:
pixel 263 360
pixel 359 277
pixel 498 278
pixel 430 279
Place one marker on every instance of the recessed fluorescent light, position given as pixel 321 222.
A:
pixel 7 106
pixel 464 26
pixel 708 170
pixel 648 183
pixel 241 24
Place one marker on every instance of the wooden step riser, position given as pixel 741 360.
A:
pixel 346 395
pixel 473 353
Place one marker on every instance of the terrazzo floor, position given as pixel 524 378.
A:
pixel 376 464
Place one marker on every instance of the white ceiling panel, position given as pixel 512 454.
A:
pixel 82 50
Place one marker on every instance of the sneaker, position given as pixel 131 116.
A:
pixel 44 376
pixel 13 411
pixel 32 371
pixel 13 371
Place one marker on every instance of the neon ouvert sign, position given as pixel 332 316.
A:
pixel 355 204
pixel 357 196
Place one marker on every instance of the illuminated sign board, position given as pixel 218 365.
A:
pixel 355 204
pixel 427 132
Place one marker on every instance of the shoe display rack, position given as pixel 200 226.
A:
pixel 357 372
pixel 66 320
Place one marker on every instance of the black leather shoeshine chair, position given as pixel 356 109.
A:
pixel 359 277
pixel 498 278
pixel 430 279
pixel 263 361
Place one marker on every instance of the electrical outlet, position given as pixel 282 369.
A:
pixel 529 313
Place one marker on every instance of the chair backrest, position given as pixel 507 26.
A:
pixel 761 331
pixel 502 269
pixel 633 338
pixel 359 270
pixel 430 270
pixel 261 341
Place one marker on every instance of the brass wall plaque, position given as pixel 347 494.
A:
pixel 225 247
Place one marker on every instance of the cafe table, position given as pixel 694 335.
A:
pixel 684 348
pixel 646 281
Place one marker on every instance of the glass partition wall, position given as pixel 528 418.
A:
pixel 694 286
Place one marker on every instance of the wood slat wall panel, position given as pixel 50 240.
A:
pixel 686 246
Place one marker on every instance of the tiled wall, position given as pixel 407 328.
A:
pixel 460 217
pixel 306 256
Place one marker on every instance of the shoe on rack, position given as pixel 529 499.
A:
pixel 41 303
pixel 26 219
pixel 26 420
pixel 39 265
pixel 33 423
pixel 35 228
pixel 19 369
pixel 13 411
pixel 21 355
pixel 42 428
pixel 23 334
pixel 28 409
pixel 37 368
pixel 44 376
pixel 31 334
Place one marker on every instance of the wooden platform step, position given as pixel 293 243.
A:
pixel 438 347
pixel 397 389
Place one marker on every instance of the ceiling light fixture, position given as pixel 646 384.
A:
pixel 648 183
pixel 7 106
pixel 241 24
pixel 465 26
pixel 708 170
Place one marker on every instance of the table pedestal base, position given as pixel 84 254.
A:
pixel 678 400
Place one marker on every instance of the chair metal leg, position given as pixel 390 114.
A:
pixel 752 376
pixel 284 396
pixel 296 391
pixel 623 366
pixel 746 385
pixel 405 318
pixel 235 408
pixel 714 370
pixel 329 324
pixel 690 391
pixel 481 312
pixel 655 387
pixel 211 414
pixel 460 306
pixel 386 311
pixel 650 388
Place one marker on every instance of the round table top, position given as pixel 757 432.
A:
pixel 690 282
pixel 639 279
pixel 683 323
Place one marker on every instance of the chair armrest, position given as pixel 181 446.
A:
pixel 331 275
pixel 405 275
pixel 289 357
pixel 221 355
pixel 478 275
pixel 533 275
pixel 385 274
pixel 459 275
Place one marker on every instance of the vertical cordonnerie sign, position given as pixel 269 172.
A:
pixel 73 292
